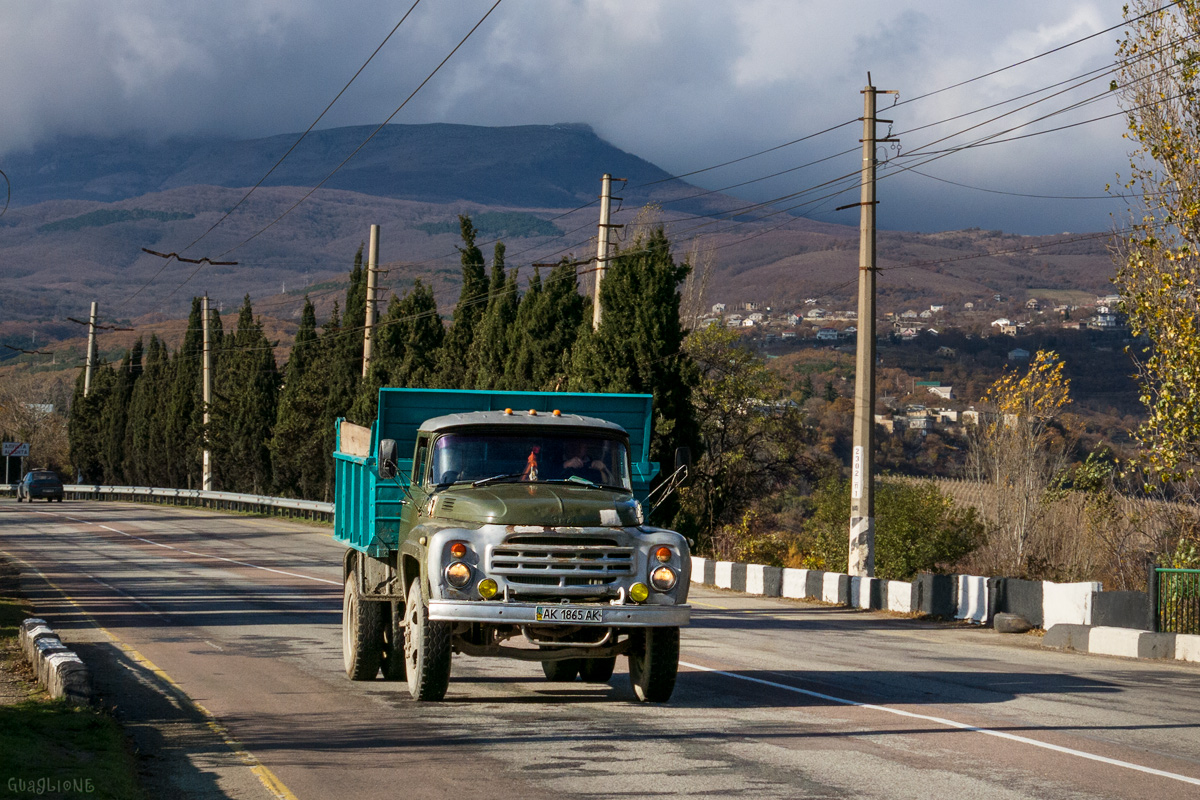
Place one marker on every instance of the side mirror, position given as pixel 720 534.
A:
pixel 386 463
pixel 683 458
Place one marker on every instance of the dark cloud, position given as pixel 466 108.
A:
pixel 684 84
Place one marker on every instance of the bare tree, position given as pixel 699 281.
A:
pixel 1019 446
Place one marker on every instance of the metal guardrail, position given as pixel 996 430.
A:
pixel 225 501
pixel 1176 594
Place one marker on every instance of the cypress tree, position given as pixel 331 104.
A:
pixel 85 426
pixel 244 408
pixel 183 414
pixel 338 379
pixel 544 331
pixel 637 347
pixel 145 444
pixel 408 341
pixel 355 318
pixel 116 415
pixel 452 367
pixel 492 345
pixel 297 460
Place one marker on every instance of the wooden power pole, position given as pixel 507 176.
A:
pixel 206 396
pixel 602 244
pixel 372 279
pixel 90 363
pixel 862 485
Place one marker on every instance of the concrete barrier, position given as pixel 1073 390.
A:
pixel 1065 636
pixel 1122 610
pixel 935 595
pixel 58 668
pixel 724 575
pixel 1021 597
pixel 835 588
pixel 899 596
pixel 861 590
pixel 1067 603
pixel 760 580
pixel 795 584
pixel 972 596
pixel 1187 647
pixel 1131 643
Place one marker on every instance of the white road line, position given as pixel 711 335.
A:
pixel 952 724
pixel 192 553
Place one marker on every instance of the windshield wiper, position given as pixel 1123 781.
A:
pixel 498 478
pixel 581 481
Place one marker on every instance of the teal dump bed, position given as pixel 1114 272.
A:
pixel 367 510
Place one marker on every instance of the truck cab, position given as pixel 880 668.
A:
pixel 516 531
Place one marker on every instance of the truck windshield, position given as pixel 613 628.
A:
pixel 541 457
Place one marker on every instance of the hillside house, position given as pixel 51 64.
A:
pixel 793 319
pixel 733 321
pixel 908 315
pixel 937 309
pixel 1032 304
pixel 757 317
pixel 1018 354
pixel 827 334
pixel 969 306
pixel 944 392
pixel 998 323
pixel 718 308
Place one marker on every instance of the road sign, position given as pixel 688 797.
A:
pixel 15 449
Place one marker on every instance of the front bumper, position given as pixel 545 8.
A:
pixel 613 616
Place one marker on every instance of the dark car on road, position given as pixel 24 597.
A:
pixel 40 483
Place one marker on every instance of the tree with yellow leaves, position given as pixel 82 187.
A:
pixel 1018 447
pixel 1158 268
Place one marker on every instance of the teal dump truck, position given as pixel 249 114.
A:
pixel 507 524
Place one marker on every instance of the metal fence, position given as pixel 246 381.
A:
pixel 225 501
pixel 1176 594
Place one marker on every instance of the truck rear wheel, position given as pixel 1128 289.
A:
pixel 563 670
pixel 392 662
pixel 597 670
pixel 654 663
pixel 426 649
pixel 362 632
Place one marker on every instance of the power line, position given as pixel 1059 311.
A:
pixel 275 166
pixel 346 160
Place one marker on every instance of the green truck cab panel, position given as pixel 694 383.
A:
pixel 372 514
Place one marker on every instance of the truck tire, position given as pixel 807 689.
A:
pixel 426 649
pixel 564 670
pixel 654 663
pixel 392 663
pixel 597 670
pixel 362 633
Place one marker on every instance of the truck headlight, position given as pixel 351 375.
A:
pixel 458 574
pixel 663 579
pixel 488 588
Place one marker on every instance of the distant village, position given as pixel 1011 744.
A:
pixel 820 324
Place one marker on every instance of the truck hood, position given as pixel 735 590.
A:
pixel 551 505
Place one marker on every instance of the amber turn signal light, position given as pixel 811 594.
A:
pixel 458 549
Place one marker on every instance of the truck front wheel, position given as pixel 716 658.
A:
pixel 654 663
pixel 362 632
pixel 426 649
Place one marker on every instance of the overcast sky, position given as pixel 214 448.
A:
pixel 685 84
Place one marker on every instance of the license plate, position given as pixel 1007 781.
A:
pixel 568 614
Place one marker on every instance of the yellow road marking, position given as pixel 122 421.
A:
pixel 268 779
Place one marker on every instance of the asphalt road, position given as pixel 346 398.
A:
pixel 216 639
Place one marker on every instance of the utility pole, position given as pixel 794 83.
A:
pixel 206 396
pixel 602 244
pixel 862 481
pixel 372 273
pixel 91 352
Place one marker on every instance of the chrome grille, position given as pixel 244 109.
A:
pixel 563 564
